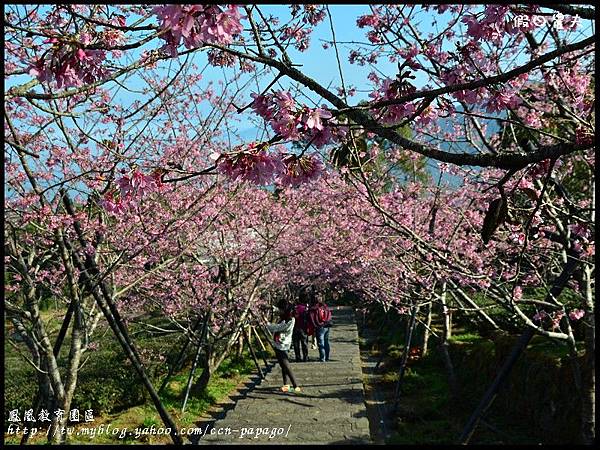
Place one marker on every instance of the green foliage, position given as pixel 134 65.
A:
pixel 107 388
pixel 20 384
pixel 236 365
pixel 538 394
pixel 351 155
pixel 466 337
pixel 538 404
pixel 405 168
pixel 110 386
pixel 149 421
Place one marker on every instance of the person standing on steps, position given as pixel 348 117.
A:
pixel 320 315
pixel 282 341
pixel 300 335
pixel 310 326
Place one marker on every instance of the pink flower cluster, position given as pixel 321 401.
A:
pixel 492 100
pixel 502 100
pixel 297 123
pixel 300 35
pixel 256 165
pixel 583 136
pixel 253 164
pixel 576 314
pixel 458 75
pixel 313 14
pixel 69 65
pixel 540 169
pixel 493 25
pixel 196 24
pixel 507 97
pixel 368 20
pixel 131 189
pixel 555 318
pixel 389 90
pixel 219 58
pixel 409 54
pixel 518 293
pixel 300 170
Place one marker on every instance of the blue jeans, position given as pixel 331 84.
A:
pixel 323 343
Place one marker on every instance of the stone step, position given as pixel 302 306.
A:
pixel 330 410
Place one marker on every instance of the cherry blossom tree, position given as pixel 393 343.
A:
pixel 129 184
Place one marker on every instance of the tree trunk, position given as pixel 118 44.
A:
pixel 191 376
pixel 444 346
pixel 458 292
pixel 53 372
pixel 426 328
pixel 44 391
pixel 202 382
pixel 588 404
pixel 248 338
pixel 100 293
pixel 409 333
pixel 217 359
pixel 73 367
pixel 262 346
pixel 103 298
pixel 498 382
pixel 77 335
pixel 240 346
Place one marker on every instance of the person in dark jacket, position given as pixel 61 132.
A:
pixel 300 336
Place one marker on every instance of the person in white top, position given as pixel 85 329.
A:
pixel 282 341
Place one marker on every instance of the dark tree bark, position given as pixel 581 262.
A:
pixel 246 337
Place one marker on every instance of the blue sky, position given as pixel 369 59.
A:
pixel 316 62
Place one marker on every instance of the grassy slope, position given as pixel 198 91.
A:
pixel 108 385
pixel 426 415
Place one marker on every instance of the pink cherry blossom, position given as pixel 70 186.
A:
pixel 70 66
pixel 253 164
pixel 518 293
pixel 501 101
pixel 576 314
pixel 299 170
pixel 313 118
pixel 196 24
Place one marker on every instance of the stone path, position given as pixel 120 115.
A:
pixel 330 410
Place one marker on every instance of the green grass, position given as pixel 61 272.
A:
pixel 466 337
pixel 424 415
pixel 109 385
pixel 428 431
pixel 427 415
pixel 230 374
pixel 542 345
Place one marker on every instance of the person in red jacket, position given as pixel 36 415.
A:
pixel 320 316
